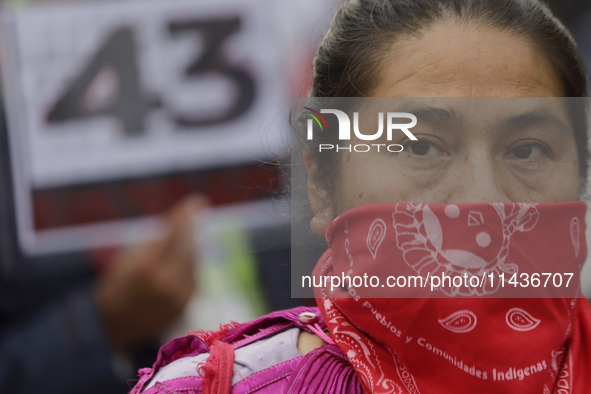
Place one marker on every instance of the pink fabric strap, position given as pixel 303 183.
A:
pixel 318 331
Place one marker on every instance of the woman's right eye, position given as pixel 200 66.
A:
pixel 422 148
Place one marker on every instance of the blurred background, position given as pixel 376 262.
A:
pixel 143 176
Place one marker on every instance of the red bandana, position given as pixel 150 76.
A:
pixel 460 344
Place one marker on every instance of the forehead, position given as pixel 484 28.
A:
pixel 459 60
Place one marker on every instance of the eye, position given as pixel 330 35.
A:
pixel 527 152
pixel 422 148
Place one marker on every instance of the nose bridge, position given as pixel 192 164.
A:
pixel 476 179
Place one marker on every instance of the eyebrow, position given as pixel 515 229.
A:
pixel 437 114
pixel 536 116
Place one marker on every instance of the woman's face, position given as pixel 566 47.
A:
pixel 467 158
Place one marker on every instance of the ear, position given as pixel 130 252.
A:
pixel 322 214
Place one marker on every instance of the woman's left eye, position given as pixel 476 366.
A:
pixel 525 152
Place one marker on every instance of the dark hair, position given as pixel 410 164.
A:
pixel 349 55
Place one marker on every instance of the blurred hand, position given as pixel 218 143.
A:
pixel 146 288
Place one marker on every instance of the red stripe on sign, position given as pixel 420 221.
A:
pixel 88 204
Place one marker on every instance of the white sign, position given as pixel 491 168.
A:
pixel 108 90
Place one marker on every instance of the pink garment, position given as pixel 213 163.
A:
pixel 323 370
